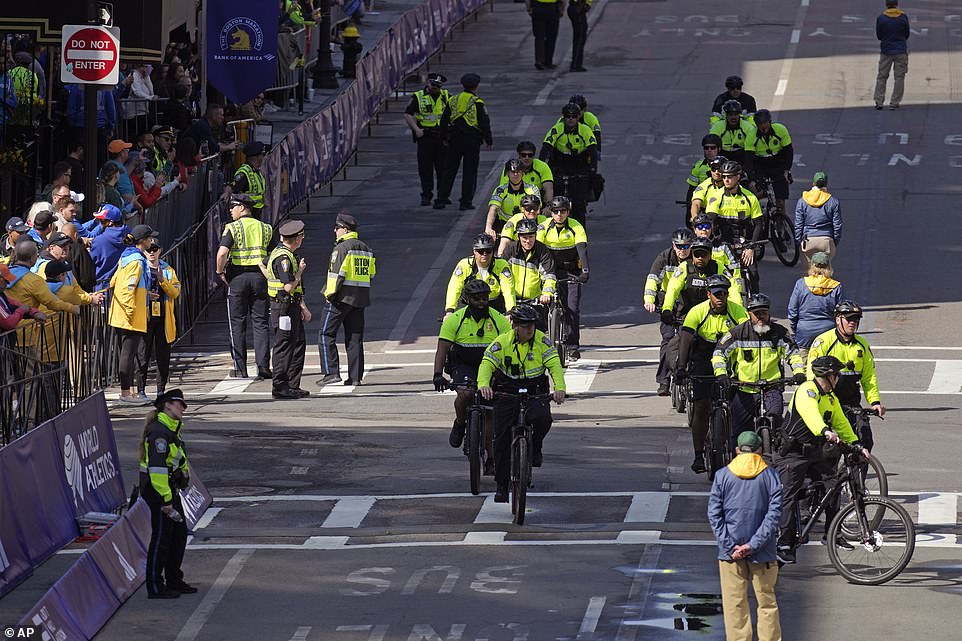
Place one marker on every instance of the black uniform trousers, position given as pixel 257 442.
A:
pixel 745 406
pixel 570 294
pixel 430 160
pixel 464 148
pixel 579 34
pixel 157 347
pixel 792 468
pixel 505 413
pixel 666 357
pixel 336 314
pixel 168 540
pixel 247 297
pixel 289 346
pixel 545 21
pixel 575 187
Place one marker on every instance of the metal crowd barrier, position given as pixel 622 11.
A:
pixel 133 125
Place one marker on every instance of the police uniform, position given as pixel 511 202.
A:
pixel 733 138
pixel 469 337
pixel 464 125
pixel 163 472
pixel 348 292
pixel 427 111
pixel 770 156
pixel 498 276
pixel 545 20
pixel 538 175
pixel 509 230
pixel 248 180
pixel 656 284
pixel 573 158
pixel 578 14
pixel 509 365
pixel 507 201
pixel 568 244
pixel 249 242
pixel 289 342
pixel 688 286
pixel 533 271
pixel 737 215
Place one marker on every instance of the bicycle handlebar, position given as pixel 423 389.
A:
pixel 858 410
pixel 524 395
pixel 764 385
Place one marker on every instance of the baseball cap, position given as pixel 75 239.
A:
pixel 141 232
pixel 44 219
pixel 17 224
pixel 820 179
pixel 59 238
pixel 109 212
pixel 55 268
pixel 470 80
pixel 821 259
pixel 749 441
pixel 117 146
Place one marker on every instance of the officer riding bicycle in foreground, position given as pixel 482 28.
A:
pixel 519 359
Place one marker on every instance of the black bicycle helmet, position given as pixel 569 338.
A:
pixel 701 244
pixel 733 82
pixel 579 100
pixel 758 301
pixel 763 115
pixel 682 236
pixel 716 281
pixel 527 226
pixel 530 200
pixel 731 168
pixel 524 314
pixel 571 109
pixel 475 287
pixel 732 107
pixel 526 145
pixel 715 164
pixel 825 365
pixel 513 165
pixel 848 308
pixel 711 139
pixel 560 202
pixel 482 241
pixel 702 219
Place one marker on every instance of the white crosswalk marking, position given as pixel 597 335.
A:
pixel 947 378
pixel 579 376
pixel 492 512
pixel 648 507
pixel 349 511
pixel 940 509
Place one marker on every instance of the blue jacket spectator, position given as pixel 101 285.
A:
pixel 892 30
pixel 811 308
pixel 107 248
pixel 106 109
pixel 818 214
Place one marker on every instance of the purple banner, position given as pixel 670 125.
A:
pixel 121 555
pixel 195 500
pixel 313 153
pixel 15 565
pixel 86 596
pixel 91 466
pixel 53 620
pixel 242 47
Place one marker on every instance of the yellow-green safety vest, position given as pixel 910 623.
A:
pixel 256 185
pixel 465 105
pixel 250 241
pixel 430 108
pixel 274 285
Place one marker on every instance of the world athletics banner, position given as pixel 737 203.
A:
pixel 314 152
pixel 241 47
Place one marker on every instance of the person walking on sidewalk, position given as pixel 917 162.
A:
pixel 892 30
pixel 289 311
pixel 348 292
pixel 744 507
pixel 545 20
pixel 161 324
pixel 578 14
pixel 464 125
pixel 243 250
pixel 423 117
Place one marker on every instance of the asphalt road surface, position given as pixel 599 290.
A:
pixel 347 516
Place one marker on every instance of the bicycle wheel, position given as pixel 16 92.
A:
pixel 687 403
pixel 719 454
pixel 556 332
pixel 783 239
pixel 879 553
pixel 874 483
pixel 519 484
pixel 678 399
pixel 475 446
pixel 765 432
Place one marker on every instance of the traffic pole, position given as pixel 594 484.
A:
pixel 90 128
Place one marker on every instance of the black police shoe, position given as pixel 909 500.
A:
pixel 236 373
pixel 285 394
pixel 785 555
pixel 537 458
pixel 303 393
pixel 501 495
pixel 457 434
pixel 574 354
pixel 264 375
pixel 489 467
pixel 438 204
pixel 425 201
pixel 164 594
pixel 698 465
pixel 183 588
pixel 664 389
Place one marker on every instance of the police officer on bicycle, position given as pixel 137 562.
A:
pixel 753 352
pixel 815 418
pixel 518 359
pixel 567 240
pixel 661 270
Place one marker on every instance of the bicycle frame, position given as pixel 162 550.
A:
pixel 852 479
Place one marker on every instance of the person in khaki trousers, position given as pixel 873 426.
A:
pixel 744 508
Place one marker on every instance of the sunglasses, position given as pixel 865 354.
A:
pixel 153 248
pixel 706 147
pixel 483 251
pixel 703 226
pixel 700 253
pixel 571 117
pixel 719 293
pixel 852 319
pixel 531 155
pixel 729 176
pixel 682 246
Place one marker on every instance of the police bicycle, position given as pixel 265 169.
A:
pixel 718 440
pixel 874 479
pixel 750 274
pixel 474 436
pixel 871 539
pixel 763 424
pixel 522 442
pixel 558 321
pixel 778 228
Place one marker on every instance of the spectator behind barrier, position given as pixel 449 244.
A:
pixel 107 248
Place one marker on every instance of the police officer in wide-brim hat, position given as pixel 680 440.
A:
pixel 289 311
pixel 423 117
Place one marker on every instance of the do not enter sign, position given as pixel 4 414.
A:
pixel 90 54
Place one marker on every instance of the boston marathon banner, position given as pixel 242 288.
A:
pixel 241 46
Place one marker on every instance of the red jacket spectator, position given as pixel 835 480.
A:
pixel 147 198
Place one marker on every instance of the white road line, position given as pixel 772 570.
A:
pixel 937 508
pixel 338 546
pixel 638 537
pixel 221 585
pixel 300 634
pixel 349 511
pixel 484 538
pixel 648 507
pixel 638 592
pixel 325 542
pixel 542 96
pixel 796 34
pixel 589 623
pixel 579 376
pixel 492 512
pixel 786 71
pixel 208 517
pixel 299 470
pixel 947 378
pixel 782 86
pixel 523 125
pixel 232 386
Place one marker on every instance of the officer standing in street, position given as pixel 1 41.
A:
pixel 163 471
pixel 289 311
pixel 244 247
pixel 545 21
pixel 464 125
pixel 348 292
pixel 248 178
pixel 423 116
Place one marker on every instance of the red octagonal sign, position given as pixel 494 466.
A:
pixel 90 55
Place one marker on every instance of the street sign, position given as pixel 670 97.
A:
pixel 90 54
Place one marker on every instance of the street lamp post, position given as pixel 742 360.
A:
pixel 324 72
